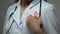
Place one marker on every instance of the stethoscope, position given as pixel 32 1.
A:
pixel 41 25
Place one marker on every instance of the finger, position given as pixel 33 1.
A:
pixel 37 18
pixel 29 16
pixel 26 22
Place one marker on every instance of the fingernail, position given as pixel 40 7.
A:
pixel 35 14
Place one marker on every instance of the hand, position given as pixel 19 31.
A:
pixel 33 23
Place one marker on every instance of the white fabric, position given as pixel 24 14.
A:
pixel 47 15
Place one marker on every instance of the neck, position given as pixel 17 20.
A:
pixel 25 2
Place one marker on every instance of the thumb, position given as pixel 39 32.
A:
pixel 35 14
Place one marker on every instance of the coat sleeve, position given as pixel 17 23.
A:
pixel 51 25
pixel 7 21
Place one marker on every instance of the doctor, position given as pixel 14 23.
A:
pixel 23 18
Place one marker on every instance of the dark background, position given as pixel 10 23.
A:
pixel 4 4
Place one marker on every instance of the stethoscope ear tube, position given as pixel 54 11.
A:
pixel 40 8
pixel 41 25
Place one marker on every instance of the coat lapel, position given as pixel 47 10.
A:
pixel 28 11
pixel 34 6
pixel 17 13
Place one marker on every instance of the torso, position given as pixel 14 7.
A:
pixel 22 9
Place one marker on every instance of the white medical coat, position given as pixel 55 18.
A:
pixel 19 26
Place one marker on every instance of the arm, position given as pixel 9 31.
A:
pixel 39 31
pixel 7 21
pixel 51 20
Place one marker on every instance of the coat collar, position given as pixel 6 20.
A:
pixel 31 4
